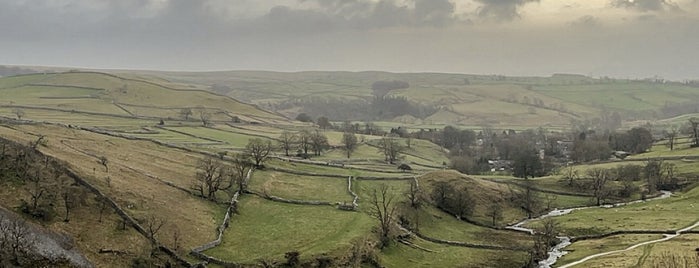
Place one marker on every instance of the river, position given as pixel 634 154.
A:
pixel 558 250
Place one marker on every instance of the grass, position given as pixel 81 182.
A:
pixel 581 249
pixel 130 163
pixel 265 229
pixel 667 214
pixel 300 187
pixel 230 138
pixel 652 255
pixel 400 255
pixel 329 170
pixel 437 224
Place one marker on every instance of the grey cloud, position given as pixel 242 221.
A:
pixel 389 13
pixel 645 5
pixel 501 9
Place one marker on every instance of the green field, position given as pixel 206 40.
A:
pixel 297 187
pixel 265 229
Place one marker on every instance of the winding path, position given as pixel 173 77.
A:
pixel 666 238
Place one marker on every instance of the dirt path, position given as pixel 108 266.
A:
pixel 666 238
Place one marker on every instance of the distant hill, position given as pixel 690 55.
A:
pixel 471 100
pixel 122 95
pixel 428 99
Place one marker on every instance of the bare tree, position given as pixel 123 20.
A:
pixel 544 239
pixel 185 113
pixel 599 177
pixel 72 196
pixel 571 174
pixel 19 113
pixel 258 150
pixel 286 141
pixel 391 149
pixel 671 137
pixel 102 206
pixel 462 203
pixel 176 239
pixel 349 142
pixel 153 225
pixel 440 194
pixel 209 177
pixel 494 212
pixel 38 188
pixel 105 163
pixel 694 122
pixel 15 240
pixel 414 195
pixel 383 210
pixel 205 117
pixel 319 142
pixel 239 171
pixel 305 141
pixel 529 198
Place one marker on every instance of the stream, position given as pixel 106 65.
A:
pixel 558 250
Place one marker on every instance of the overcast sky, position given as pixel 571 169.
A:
pixel 621 38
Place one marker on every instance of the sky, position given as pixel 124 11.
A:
pixel 617 38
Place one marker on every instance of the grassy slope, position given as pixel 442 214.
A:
pixel 99 92
pixel 485 100
pixel 265 229
pixel 130 187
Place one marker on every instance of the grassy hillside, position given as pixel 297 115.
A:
pixel 151 167
pixel 471 100
pixel 119 97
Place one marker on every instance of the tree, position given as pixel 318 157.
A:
pixel 527 164
pixel 694 122
pixel 305 142
pixel 303 117
pixel 239 171
pixel 15 240
pixel 544 239
pixel 72 196
pixel 391 149
pixel 258 150
pixel 153 226
pixel 185 113
pixel 529 199
pixel 599 177
pixel 414 195
pixel 571 174
pixel 319 142
pixel 105 163
pixel 383 210
pixel 19 113
pixel 462 203
pixel 653 173
pixel 349 142
pixel 671 136
pixel 209 177
pixel 102 205
pixel 205 117
pixel 494 212
pixel 286 141
pixel 440 194
pixel 323 122
pixel 39 189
